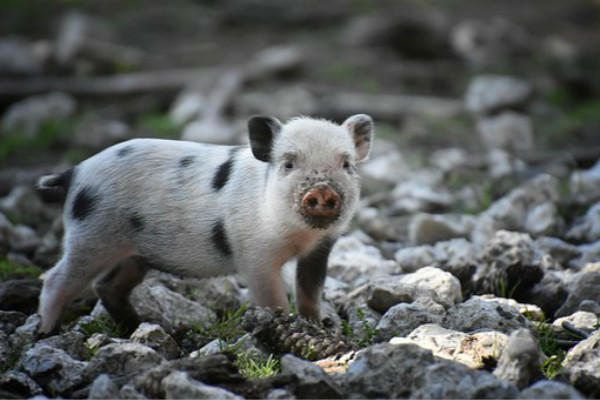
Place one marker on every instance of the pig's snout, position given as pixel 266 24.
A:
pixel 321 201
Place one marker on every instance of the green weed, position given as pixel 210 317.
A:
pixel 160 125
pixel 103 325
pixel 253 366
pixel 9 270
pixel 50 133
pixel 228 327
pixel 552 366
pixel 369 332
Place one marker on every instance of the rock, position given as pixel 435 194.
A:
pixel 588 228
pixel 73 343
pixel 179 385
pixel 530 311
pixel 169 309
pixel 103 388
pixel 487 42
pixel 53 368
pixel 456 256
pixel 502 164
pixel 394 31
pixel 123 359
pixel 489 93
pixel 550 390
pixel 477 314
pixel 508 130
pixel 580 319
pixel 583 287
pixel 386 371
pixel 384 294
pixel 512 211
pixel 313 382
pixel 582 366
pixel 213 347
pixel 28 115
pixel 413 195
pixel 24 239
pixel 560 250
pixel 5 232
pixel 19 57
pixel 584 185
pixel 449 159
pixel 155 337
pixel 355 263
pixel 403 318
pixel 362 320
pixel 588 253
pixel 97 134
pixel 385 167
pixel 521 359
pixel 211 130
pixel 550 293
pixel 285 103
pixel 98 340
pixel 19 384
pixel 510 265
pixel 477 351
pixel 26 333
pixel 279 394
pixel 590 306
pixel 10 320
pixel 445 285
pixel 450 380
pixel 432 228
pixel 220 294
pixel 20 295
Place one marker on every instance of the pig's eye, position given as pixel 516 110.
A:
pixel 288 165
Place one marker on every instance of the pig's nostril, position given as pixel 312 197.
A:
pixel 331 203
pixel 312 202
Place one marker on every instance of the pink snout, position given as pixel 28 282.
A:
pixel 322 202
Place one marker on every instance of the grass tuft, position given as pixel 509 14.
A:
pixel 9 270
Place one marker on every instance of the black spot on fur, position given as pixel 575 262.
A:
pixel 123 151
pixel 222 175
pixel 219 238
pixel 137 222
pixel 186 161
pixel 84 203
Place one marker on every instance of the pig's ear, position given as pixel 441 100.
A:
pixel 362 130
pixel 263 131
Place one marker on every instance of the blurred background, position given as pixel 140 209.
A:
pixel 470 97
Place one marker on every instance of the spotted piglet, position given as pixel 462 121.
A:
pixel 203 210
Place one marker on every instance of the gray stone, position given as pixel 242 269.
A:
pixel 73 343
pixel 488 93
pixel 477 314
pixel 154 336
pixel 20 295
pixel 584 185
pixel 129 391
pixel 560 250
pixel 476 350
pixel 510 264
pixel 432 228
pixel 313 382
pixel 26 333
pixel 361 319
pixel 123 359
pixel 20 384
pixel 103 388
pixel 502 164
pixel 445 285
pixel 53 368
pixel 384 168
pixel 521 359
pixel 588 228
pixel 403 318
pixel 511 212
pixel 414 195
pixel 218 294
pixel 168 308
pixel 384 294
pixel 279 394
pixel 550 293
pixel 356 263
pixel 550 390
pixel 5 352
pixel 580 319
pixel 97 134
pixel 386 370
pixel 448 159
pixel 590 306
pixel 19 57
pixel 582 366
pixel 179 385
pixel 583 287
pixel 508 130
pixel 24 239
pixel 588 253
pixel 530 311
pixel 10 320
pixel 30 113
pixel 215 346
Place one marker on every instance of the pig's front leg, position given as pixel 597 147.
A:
pixel 310 277
pixel 266 286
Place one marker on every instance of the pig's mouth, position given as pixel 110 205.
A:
pixel 321 204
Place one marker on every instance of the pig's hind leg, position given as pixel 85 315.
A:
pixel 115 287
pixel 82 261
